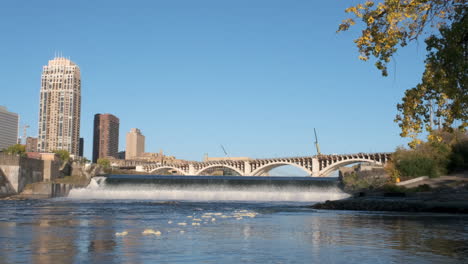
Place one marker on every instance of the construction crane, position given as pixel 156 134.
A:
pixel 316 143
pixel 224 150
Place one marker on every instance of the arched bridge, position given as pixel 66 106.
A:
pixel 316 166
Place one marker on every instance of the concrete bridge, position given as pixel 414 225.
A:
pixel 315 166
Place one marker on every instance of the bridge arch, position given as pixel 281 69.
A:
pixel 329 169
pixel 168 168
pixel 268 167
pixel 241 173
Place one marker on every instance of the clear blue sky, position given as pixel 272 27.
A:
pixel 254 75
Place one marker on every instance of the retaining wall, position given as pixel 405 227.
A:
pixel 20 171
pixel 5 187
pixel 47 189
pixel 51 170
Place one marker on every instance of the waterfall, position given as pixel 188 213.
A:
pixel 198 188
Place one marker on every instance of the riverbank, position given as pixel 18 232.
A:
pixel 447 194
pixel 455 204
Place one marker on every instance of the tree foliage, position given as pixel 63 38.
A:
pixel 431 158
pixel 63 154
pixel 459 157
pixel 393 23
pixel 105 163
pixel 422 162
pixel 16 149
pixel 441 99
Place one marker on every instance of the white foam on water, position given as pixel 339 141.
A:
pixel 97 189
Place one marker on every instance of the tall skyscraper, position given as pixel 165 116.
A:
pixel 106 136
pixel 8 128
pixel 135 144
pixel 60 107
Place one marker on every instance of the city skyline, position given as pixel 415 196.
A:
pixel 256 101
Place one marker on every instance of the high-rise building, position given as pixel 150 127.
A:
pixel 31 144
pixel 81 146
pixel 121 155
pixel 60 107
pixel 106 136
pixel 8 128
pixel 135 144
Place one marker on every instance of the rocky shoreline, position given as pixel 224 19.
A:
pixel 430 202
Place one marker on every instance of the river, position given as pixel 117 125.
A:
pixel 222 222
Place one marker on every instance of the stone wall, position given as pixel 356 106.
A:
pixel 51 170
pixel 32 170
pixel 77 170
pixel 86 170
pixel 5 187
pixel 20 171
pixel 49 190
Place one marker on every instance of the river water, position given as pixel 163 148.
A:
pixel 155 222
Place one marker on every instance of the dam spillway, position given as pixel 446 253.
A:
pixel 210 188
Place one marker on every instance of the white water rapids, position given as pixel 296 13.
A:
pixel 98 189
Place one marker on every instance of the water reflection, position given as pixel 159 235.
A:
pixel 71 232
pixel 101 242
pixel 53 238
pixel 417 235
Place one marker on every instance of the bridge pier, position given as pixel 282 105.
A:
pixel 247 168
pixel 315 167
pixel 191 170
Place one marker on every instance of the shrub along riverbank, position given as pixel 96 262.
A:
pixel 444 153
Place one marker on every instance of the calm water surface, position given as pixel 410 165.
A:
pixel 110 231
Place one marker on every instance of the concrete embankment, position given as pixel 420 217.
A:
pixel 5 187
pixel 50 190
pixel 43 190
